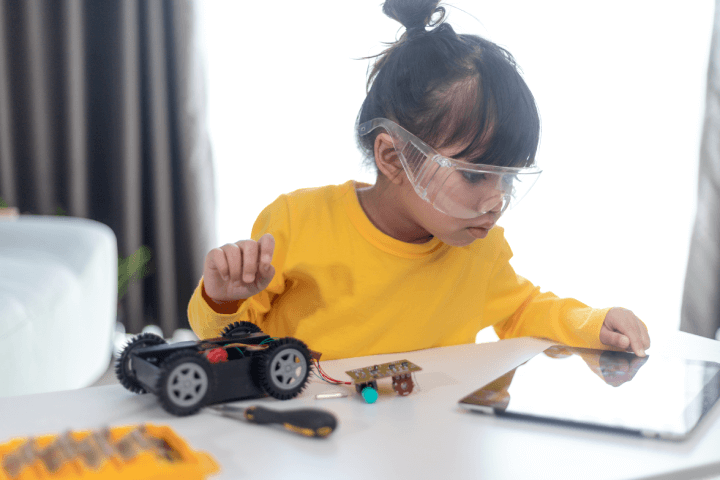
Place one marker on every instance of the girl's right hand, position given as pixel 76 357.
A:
pixel 239 270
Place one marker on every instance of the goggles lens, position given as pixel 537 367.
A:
pixel 458 189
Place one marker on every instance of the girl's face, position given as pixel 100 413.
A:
pixel 397 210
pixel 453 231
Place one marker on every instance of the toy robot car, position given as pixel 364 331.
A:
pixel 242 363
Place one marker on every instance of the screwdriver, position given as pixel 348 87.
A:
pixel 311 422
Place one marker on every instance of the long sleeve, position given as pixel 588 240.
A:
pixel 523 310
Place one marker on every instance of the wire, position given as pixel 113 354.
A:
pixel 324 380
pixel 320 377
pixel 327 377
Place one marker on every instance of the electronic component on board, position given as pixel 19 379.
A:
pixel 366 378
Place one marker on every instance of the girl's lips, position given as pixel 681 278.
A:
pixel 478 232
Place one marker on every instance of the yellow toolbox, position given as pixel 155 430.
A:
pixel 138 452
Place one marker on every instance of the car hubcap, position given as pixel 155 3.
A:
pixel 288 368
pixel 187 384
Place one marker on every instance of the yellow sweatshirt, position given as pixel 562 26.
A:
pixel 347 289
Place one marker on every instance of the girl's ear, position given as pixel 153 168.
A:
pixel 386 159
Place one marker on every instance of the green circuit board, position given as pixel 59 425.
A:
pixel 384 370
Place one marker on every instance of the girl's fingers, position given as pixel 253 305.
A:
pixel 613 338
pixel 250 261
pixel 624 323
pixel 637 346
pixel 244 267
pixel 645 336
pixel 218 262
pixel 638 335
pixel 632 330
pixel 265 278
pixel 620 340
pixel 234 260
pixel 267 248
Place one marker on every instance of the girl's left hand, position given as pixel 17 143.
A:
pixel 622 329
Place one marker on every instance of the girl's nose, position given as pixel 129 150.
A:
pixel 494 204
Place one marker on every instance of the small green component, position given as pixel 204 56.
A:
pixel 369 394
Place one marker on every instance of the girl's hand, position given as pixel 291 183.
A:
pixel 239 270
pixel 624 330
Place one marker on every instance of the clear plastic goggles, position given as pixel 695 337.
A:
pixel 458 189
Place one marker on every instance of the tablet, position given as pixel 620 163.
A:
pixel 652 396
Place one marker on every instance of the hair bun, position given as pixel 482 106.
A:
pixel 414 15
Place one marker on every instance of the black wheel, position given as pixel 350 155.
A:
pixel 284 368
pixel 123 367
pixel 185 384
pixel 240 328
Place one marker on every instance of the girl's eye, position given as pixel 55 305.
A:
pixel 510 179
pixel 473 177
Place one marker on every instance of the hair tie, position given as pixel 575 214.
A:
pixel 416 30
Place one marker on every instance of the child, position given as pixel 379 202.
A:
pixel 414 261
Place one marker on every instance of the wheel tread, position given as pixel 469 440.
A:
pixel 265 361
pixel 124 377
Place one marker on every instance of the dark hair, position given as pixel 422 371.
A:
pixel 450 89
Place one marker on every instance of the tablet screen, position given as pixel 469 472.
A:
pixel 652 395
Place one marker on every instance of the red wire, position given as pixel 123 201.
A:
pixel 328 377
pixel 325 375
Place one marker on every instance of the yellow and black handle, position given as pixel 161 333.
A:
pixel 311 422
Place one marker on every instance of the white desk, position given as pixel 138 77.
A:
pixel 423 435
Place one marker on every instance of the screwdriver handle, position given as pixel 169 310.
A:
pixel 311 422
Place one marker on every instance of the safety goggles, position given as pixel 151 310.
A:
pixel 458 189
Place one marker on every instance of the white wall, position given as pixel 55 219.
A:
pixel 620 88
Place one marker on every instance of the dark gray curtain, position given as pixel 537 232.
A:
pixel 701 297
pixel 102 116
